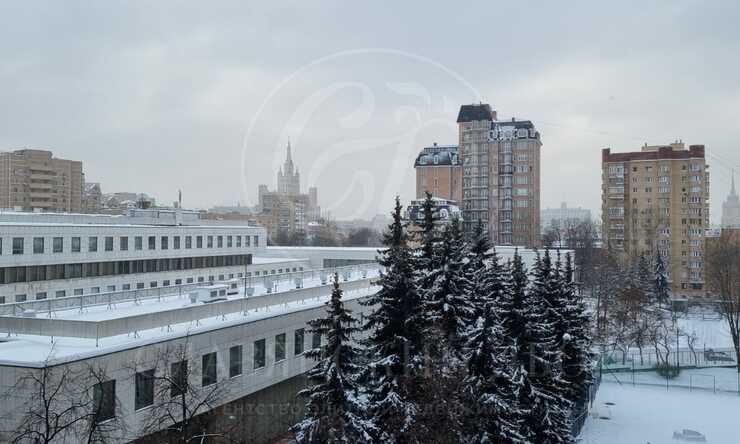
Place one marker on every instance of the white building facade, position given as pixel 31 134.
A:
pixel 59 256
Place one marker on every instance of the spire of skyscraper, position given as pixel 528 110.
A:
pixel 288 169
pixel 732 191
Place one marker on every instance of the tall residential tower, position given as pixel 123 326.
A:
pixel 656 200
pixel 500 175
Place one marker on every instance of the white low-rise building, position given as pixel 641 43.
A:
pixel 60 255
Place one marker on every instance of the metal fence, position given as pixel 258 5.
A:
pixel 275 282
pixel 580 411
pixel 708 370
pixel 699 358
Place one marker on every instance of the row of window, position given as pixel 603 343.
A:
pixel 178 379
pixel 41 295
pixel 35 273
pixel 39 245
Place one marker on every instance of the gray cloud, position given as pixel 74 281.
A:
pixel 156 96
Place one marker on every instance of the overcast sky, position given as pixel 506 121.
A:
pixel 202 96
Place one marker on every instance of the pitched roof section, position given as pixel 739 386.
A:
pixel 469 113
pixel 517 124
pixel 445 155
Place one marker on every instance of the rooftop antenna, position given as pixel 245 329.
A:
pixel 179 198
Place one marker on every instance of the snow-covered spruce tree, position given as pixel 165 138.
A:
pixel 491 385
pixel 662 290
pixel 485 272
pixel 577 356
pixel 548 409
pixel 335 412
pixel 646 278
pixel 448 301
pixel 427 238
pixel 513 305
pixel 395 341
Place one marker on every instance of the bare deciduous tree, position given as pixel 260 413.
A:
pixel 723 277
pixel 183 398
pixel 65 403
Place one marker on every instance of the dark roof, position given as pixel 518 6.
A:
pixel 446 156
pixel 469 113
pixel 518 124
pixel 663 152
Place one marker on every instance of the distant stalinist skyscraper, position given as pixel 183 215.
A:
pixel 288 178
pixel 731 208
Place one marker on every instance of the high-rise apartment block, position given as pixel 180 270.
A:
pixel 34 180
pixel 656 200
pixel 438 172
pixel 500 175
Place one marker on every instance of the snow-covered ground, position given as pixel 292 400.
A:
pixel 642 414
pixel 710 333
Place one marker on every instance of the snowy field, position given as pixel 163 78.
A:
pixel 639 415
pixel 710 333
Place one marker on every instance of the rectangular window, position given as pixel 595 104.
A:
pixel 21 298
pixel 104 400
pixel 152 242
pixel 60 294
pixel 199 242
pixel 178 378
pixel 209 244
pixel 144 389
pixel 176 242
pixel 95 290
pixel 138 243
pixel 188 241
pixel 58 244
pixel 123 243
pixel 256 241
pixel 76 244
pixel 316 340
pixel 238 241
pixel 246 241
pixel 110 288
pixel 40 295
pixel 92 244
pixel 164 243
pixel 220 241
pixel 78 291
pixel 126 287
pixel 208 376
pixel 235 361
pixel 280 347
pixel 108 243
pixel 259 354
pixel 298 341
pixel 229 241
pixel 38 245
pixel 139 285
pixel 18 245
